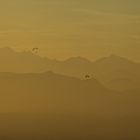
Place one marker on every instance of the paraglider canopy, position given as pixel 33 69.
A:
pixel 35 50
pixel 87 76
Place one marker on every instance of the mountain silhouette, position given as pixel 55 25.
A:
pixel 44 91
pixel 114 72
pixel 117 72
pixel 47 91
pixel 20 62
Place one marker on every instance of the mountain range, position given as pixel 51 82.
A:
pixel 114 72
pixel 53 106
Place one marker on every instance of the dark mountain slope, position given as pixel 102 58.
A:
pixel 52 106
pixel 50 91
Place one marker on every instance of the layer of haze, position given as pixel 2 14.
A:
pixel 65 28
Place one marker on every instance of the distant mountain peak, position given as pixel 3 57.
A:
pixel 50 73
pixel 78 59
pixel 114 56
pixel 114 59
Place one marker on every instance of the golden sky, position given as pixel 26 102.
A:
pixel 64 28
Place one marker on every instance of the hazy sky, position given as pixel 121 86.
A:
pixel 63 28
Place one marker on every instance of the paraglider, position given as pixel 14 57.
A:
pixel 35 50
pixel 87 76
